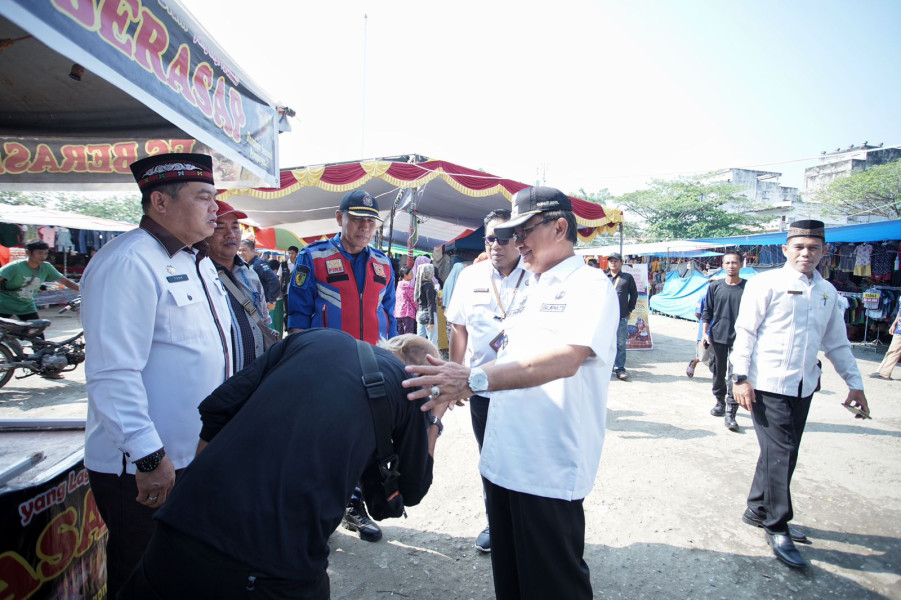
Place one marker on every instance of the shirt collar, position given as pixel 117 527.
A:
pixel 563 269
pixel 513 271
pixel 169 242
pixel 336 241
pixel 792 273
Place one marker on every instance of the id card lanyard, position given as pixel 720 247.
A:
pixel 498 341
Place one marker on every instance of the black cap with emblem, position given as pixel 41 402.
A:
pixel 530 202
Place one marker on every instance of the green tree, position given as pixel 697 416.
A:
pixel 690 208
pixel 876 191
pixel 119 207
pixel 122 207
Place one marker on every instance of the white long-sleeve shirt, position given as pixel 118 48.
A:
pixel 784 320
pixel 156 347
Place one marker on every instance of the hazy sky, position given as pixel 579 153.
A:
pixel 591 94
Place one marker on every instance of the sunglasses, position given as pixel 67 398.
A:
pixel 522 234
pixel 493 238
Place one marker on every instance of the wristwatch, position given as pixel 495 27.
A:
pixel 151 461
pixel 433 420
pixel 478 380
pixel 739 378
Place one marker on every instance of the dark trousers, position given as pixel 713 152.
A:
pixel 176 566
pixel 130 525
pixel 478 413
pixel 779 423
pixel 722 373
pixel 23 317
pixel 406 325
pixel 536 546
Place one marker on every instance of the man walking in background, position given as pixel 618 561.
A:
pixel 248 252
pixel 786 317
pixel 627 293
pixel 721 309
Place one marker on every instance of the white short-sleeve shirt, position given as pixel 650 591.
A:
pixel 547 440
pixel 475 306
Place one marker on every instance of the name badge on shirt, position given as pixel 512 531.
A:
pixel 176 278
pixel 552 307
pixel 795 292
pixel 480 290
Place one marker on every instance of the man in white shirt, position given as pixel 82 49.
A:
pixel 484 292
pixel 786 316
pixel 544 435
pixel 156 323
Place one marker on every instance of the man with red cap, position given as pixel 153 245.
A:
pixel 250 333
pixel 156 320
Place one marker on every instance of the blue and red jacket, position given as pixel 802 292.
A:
pixel 331 288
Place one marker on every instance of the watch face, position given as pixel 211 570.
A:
pixel 478 381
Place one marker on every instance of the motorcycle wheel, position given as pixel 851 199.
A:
pixel 6 356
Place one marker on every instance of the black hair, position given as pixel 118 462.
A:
pixel 294 248
pixel 32 246
pixel 249 243
pixel 404 271
pixel 735 252
pixel 572 234
pixel 170 189
pixel 498 213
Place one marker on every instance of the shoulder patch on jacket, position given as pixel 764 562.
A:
pixel 300 277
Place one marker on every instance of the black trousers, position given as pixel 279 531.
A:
pixel 779 423
pixel 722 373
pixel 130 525
pixel 478 414
pixel 177 567
pixel 536 546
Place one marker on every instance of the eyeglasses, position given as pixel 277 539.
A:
pixel 493 238
pixel 522 234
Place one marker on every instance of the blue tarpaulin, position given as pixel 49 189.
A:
pixel 867 232
pixel 680 295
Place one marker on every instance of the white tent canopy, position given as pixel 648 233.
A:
pixel 37 215
pixel 653 248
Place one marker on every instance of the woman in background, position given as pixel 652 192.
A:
pixel 427 300
pixel 405 306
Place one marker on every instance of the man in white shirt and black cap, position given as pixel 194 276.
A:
pixel 548 387
pixel 786 317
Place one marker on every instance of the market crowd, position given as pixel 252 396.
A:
pixel 222 457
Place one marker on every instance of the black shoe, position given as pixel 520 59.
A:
pixel 356 519
pixel 483 542
pixel 784 549
pixel 719 409
pixel 752 519
pixel 731 424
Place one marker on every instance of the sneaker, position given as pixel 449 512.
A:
pixel 357 519
pixel 483 542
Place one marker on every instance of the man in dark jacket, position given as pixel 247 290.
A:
pixel 281 449
pixel 627 292
pixel 267 276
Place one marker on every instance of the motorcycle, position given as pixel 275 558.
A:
pixel 22 346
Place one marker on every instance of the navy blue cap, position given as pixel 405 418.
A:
pixel 360 203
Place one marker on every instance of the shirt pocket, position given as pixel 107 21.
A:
pixel 189 314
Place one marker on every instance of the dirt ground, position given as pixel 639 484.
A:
pixel 663 520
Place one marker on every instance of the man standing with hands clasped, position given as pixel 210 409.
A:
pixel 485 292
pixel 548 410
pixel 787 315
pixel 627 293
